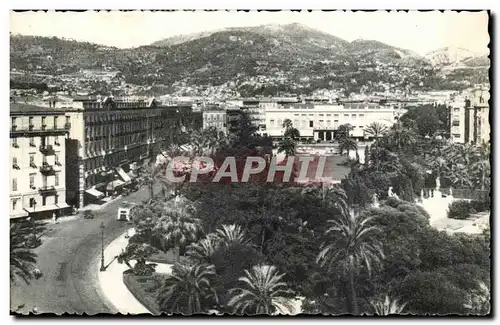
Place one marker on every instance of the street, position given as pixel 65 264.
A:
pixel 67 258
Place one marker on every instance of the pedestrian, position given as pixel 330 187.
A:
pixel 54 219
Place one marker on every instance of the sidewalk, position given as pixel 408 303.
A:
pixel 111 280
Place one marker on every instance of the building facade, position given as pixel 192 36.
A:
pixel 109 138
pixel 469 116
pixel 37 161
pixel 321 121
pixel 215 117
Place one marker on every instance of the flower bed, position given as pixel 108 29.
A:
pixel 144 289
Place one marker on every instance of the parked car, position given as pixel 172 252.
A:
pixel 88 214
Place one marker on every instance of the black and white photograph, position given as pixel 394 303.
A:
pixel 244 162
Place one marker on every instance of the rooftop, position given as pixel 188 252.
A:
pixel 29 108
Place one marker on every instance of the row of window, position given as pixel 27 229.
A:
pixel 334 115
pixel 33 202
pixel 32 181
pixel 15 163
pixel 44 121
pixel 44 141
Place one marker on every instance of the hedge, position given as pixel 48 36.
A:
pixel 460 210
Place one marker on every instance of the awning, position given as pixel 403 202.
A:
pixel 114 184
pixel 94 192
pixel 42 208
pixel 122 174
pixel 62 205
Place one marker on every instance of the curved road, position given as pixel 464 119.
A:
pixel 68 259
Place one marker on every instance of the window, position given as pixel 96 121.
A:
pixel 328 114
pixel 32 158
pixel 353 115
pixel 32 142
pixel 14 184
pixel 456 123
pixel 14 123
pixel 346 115
pixel 14 163
pixel 456 109
pixel 14 143
pixel 32 180
pixel 14 204
pixel 321 115
pixel 43 121
pixel 361 115
pixel 311 123
pixel 31 121
pixel 272 122
pixel 456 135
pixel 44 200
pixel 32 202
pixel 55 122
pixel 336 121
pixel 336 115
pixel 56 141
pixel 56 199
pixel 56 159
pixel 56 175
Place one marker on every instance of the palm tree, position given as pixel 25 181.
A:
pixel 387 306
pixel 231 234
pixel 22 258
pixel 482 165
pixel 402 136
pixel 347 144
pixel 288 146
pixel 376 130
pixel 263 292
pixel 203 250
pixel 148 174
pixel 351 246
pixel 177 226
pixel 290 131
pixel 189 290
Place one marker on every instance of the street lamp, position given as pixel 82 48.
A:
pixel 103 268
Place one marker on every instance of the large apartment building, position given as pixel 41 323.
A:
pixel 215 117
pixel 37 161
pixel 110 137
pixel 469 115
pixel 320 121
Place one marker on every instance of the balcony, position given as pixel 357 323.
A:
pixel 47 169
pixel 47 190
pixel 47 150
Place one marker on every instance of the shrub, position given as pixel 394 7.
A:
pixel 460 210
pixel 481 206
pixel 147 299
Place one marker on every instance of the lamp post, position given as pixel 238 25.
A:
pixel 103 268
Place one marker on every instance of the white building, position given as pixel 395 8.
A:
pixel 320 121
pixel 38 165
pixel 215 118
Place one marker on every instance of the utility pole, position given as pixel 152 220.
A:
pixel 103 267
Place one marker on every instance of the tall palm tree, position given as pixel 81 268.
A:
pixel 482 165
pixel 148 174
pixel 189 290
pixel 262 292
pixel 376 130
pixel 402 136
pixel 231 234
pixel 347 144
pixel 22 258
pixel 351 246
pixel 290 130
pixel 288 146
pixel 387 306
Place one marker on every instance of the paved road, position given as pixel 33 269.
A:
pixel 68 258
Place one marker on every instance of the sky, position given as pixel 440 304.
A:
pixel 421 32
